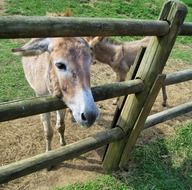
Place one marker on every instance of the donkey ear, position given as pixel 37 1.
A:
pixel 93 41
pixel 34 47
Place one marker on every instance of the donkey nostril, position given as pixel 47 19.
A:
pixel 83 117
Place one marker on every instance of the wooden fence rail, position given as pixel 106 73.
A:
pixel 44 160
pixel 179 76
pixel 23 27
pixel 28 107
pixel 186 29
pixel 168 114
pixel 41 161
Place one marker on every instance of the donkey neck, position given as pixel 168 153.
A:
pixel 107 51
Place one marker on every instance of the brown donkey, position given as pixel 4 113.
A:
pixel 119 56
pixel 61 67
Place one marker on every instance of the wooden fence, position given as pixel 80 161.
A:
pixel 144 81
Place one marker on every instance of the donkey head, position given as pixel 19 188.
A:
pixel 94 43
pixel 69 60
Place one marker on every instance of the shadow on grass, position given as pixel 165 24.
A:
pixel 163 164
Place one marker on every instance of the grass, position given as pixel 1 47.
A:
pixel 109 8
pixel 106 182
pixel 182 53
pixel 165 164
pixel 13 85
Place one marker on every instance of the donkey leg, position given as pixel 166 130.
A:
pixel 119 78
pixel 72 118
pixel 60 125
pixel 115 101
pixel 164 93
pixel 48 131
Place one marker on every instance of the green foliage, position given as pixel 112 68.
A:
pixel 160 165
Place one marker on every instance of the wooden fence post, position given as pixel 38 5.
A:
pixel 151 66
pixel 135 131
pixel 130 75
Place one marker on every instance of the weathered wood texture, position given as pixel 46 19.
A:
pixel 177 77
pixel 186 29
pixel 134 132
pixel 172 78
pixel 28 107
pixel 27 166
pixel 113 159
pixel 151 66
pixel 109 161
pixel 24 167
pixel 23 27
pixel 130 75
pixel 168 114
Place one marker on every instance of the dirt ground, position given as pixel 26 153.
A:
pixel 23 138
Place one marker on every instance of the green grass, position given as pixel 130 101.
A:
pixel 13 83
pixel 182 53
pixel 165 164
pixel 106 182
pixel 109 8
pixel 189 6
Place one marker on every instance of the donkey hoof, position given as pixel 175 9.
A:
pixel 114 103
pixel 73 119
pixel 50 167
pixel 164 104
pixel 63 143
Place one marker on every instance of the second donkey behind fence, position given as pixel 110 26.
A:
pixel 119 56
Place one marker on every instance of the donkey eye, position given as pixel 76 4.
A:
pixel 61 66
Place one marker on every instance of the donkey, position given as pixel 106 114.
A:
pixel 119 56
pixel 60 67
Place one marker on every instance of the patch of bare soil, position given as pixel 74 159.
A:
pixel 23 138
